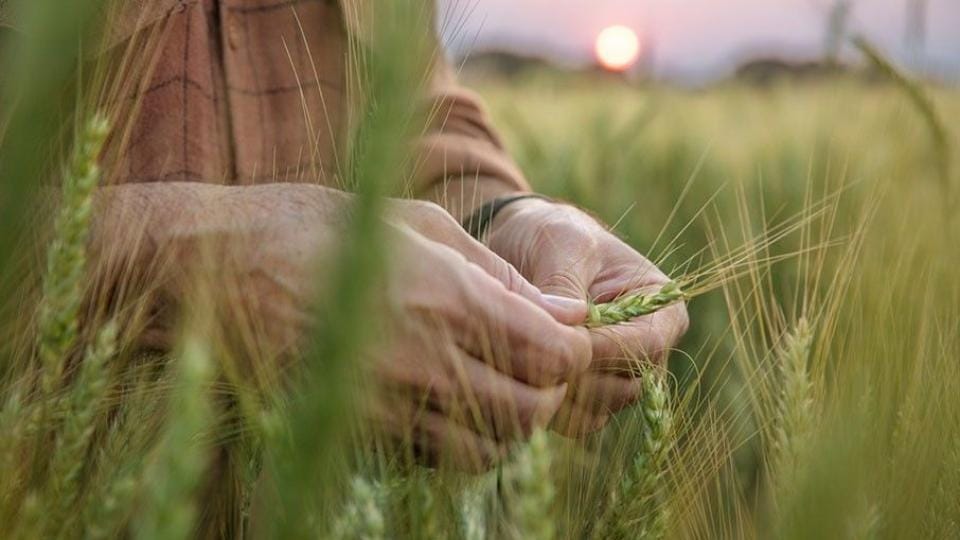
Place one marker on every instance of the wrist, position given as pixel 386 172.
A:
pixel 478 224
pixel 520 211
pixel 514 232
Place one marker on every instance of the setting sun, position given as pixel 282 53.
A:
pixel 617 48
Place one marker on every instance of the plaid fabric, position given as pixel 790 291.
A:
pixel 253 91
pixel 240 95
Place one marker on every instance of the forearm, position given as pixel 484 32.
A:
pixel 151 242
pixel 462 162
pixel 167 212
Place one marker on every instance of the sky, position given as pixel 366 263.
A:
pixel 693 40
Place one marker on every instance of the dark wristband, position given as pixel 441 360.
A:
pixel 479 221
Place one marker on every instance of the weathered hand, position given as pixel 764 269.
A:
pixel 565 252
pixel 472 362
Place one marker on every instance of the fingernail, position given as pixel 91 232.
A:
pixel 564 302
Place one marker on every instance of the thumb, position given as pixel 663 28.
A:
pixel 565 309
pixel 566 297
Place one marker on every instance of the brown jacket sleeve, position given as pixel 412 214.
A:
pixel 461 152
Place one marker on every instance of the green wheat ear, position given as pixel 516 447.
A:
pixel 57 333
pixel 363 516
pixel 532 490
pixel 638 508
pixel 82 406
pixel 67 254
pixel 173 475
pixel 629 307
pixel 795 415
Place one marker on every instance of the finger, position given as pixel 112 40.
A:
pixel 648 338
pixel 493 404
pixel 575 421
pixel 565 278
pixel 569 310
pixel 474 394
pixel 435 440
pixel 520 340
pixel 604 394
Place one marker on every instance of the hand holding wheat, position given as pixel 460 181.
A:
pixel 567 253
pixel 629 307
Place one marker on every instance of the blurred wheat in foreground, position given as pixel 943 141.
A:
pixel 817 394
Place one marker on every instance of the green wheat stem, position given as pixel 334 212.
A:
pixel 426 514
pixel 173 476
pixel 114 488
pixel 629 307
pixel 58 317
pixel 83 403
pixel 12 426
pixel 638 509
pixel 926 108
pixel 362 518
pixel 795 420
pixel 67 254
pixel 473 509
pixel 532 491
pixel 105 518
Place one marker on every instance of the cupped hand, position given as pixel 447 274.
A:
pixel 477 357
pixel 565 252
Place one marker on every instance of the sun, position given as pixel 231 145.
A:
pixel 617 48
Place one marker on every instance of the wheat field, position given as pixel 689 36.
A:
pixel 812 227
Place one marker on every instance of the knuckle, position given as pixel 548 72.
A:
pixel 426 214
pixel 563 364
pixel 563 281
pixel 435 213
pixel 575 354
pixel 509 276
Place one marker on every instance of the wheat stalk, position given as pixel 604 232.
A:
pixel 473 514
pixel 795 419
pixel 362 518
pixel 532 490
pixel 629 307
pixel 106 517
pixel 174 474
pixel 426 514
pixel 67 254
pixel 638 510
pixel 115 484
pixel 58 315
pixel 11 425
pixel 84 401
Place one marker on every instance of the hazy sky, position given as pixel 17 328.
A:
pixel 693 39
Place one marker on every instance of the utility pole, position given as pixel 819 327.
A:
pixel 837 20
pixel 915 36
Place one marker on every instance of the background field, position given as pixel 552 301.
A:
pixel 743 158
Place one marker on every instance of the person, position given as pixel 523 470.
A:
pixel 237 136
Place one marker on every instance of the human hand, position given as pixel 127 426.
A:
pixel 565 252
pixel 477 357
